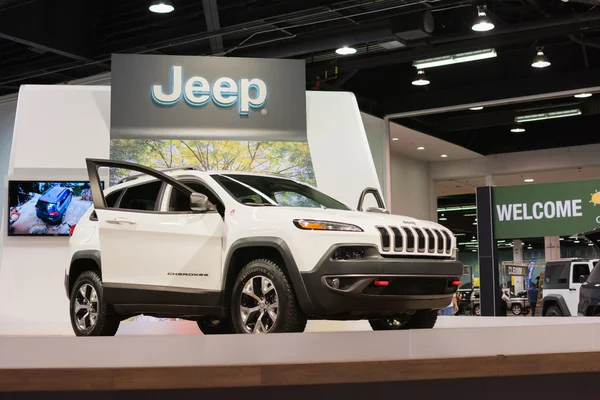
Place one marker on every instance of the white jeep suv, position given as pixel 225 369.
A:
pixel 250 253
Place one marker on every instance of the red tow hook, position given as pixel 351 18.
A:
pixel 381 283
pixel 456 283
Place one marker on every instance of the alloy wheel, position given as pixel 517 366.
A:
pixel 259 305
pixel 86 307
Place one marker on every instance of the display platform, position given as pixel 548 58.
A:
pixel 460 348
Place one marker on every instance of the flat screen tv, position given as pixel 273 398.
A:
pixel 46 208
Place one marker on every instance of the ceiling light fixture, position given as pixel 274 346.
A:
pixel 540 60
pixel 549 115
pixel 421 79
pixel 394 139
pixel 444 156
pixel 455 59
pixel 346 51
pixel 482 23
pixel 420 148
pixel 161 6
pixel 517 129
pixel 583 95
pixel 528 180
pixel 476 108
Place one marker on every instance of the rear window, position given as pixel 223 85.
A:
pixel 556 276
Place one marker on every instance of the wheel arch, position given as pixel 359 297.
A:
pixel 83 260
pixel 245 250
pixel 555 300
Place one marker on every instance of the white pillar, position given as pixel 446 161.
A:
pixel 552 248
pixel 489 180
pixel 518 256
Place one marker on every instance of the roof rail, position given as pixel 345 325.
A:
pixel 136 176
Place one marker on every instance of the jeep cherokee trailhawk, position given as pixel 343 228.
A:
pixel 250 253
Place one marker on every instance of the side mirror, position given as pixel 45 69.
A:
pixel 200 203
pixel 583 278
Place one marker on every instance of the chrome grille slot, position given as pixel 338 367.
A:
pixel 398 239
pixel 440 243
pixel 421 239
pixel 385 238
pixel 448 242
pixel 430 241
pixel 410 239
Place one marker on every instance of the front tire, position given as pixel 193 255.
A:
pixel 516 309
pixel 424 319
pixel 263 300
pixel 477 310
pixel 215 326
pixel 553 311
pixel 90 315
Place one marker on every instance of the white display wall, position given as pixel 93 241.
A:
pixel 8 111
pixel 57 127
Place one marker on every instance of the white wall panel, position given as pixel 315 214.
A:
pixel 412 190
pixel 7 123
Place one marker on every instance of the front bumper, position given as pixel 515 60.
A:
pixel 412 284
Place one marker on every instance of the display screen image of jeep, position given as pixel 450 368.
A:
pixel 46 208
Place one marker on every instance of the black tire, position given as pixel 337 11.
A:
pixel 553 311
pixel 215 326
pixel 423 319
pixel 107 321
pixel 516 309
pixel 477 310
pixel 289 315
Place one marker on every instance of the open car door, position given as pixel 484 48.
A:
pixel 146 250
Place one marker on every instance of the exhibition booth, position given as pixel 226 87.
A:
pixel 258 118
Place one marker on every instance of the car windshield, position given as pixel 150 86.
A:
pixel 256 190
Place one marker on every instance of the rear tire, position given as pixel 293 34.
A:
pixel 263 300
pixel 90 315
pixel 553 311
pixel 516 309
pixel 423 319
pixel 215 326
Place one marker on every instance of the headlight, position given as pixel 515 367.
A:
pixel 315 225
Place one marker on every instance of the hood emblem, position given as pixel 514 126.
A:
pixel 409 222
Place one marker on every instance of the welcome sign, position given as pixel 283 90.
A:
pixel 548 209
pixel 189 97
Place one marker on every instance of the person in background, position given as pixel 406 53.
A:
pixel 504 304
pixel 532 293
pixel 450 309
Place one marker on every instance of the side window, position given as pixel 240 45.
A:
pixel 180 202
pixel 557 276
pixel 141 197
pixel 111 199
pixel 580 269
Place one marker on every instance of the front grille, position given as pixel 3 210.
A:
pixel 411 286
pixel 404 239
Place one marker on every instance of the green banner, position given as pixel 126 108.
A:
pixel 546 209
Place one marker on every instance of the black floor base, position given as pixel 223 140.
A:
pixel 546 387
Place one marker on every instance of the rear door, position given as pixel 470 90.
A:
pixel 577 270
pixel 148 251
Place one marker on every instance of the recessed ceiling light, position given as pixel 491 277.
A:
pixel 476 108
pixel 540 60
pixel 518 128
pixel 444 156
pixel 528 180
pixel 575 241
pixel 420 148
pixel 161 7
pixel 346 51
pixel 394 139
pixel 482 23
pixel 583 95
pixel 474 251
pixel 561 239
pixel 421 79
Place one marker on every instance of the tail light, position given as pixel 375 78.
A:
pixel 72 230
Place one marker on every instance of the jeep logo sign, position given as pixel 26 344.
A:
pixel 224 92
pixel 188 97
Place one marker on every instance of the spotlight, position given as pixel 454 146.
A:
pixel 540 60
pixel 421 79
pixel 420 148
pixel 161 6
pixel 476 108
pixel 528 180
pixel 444 156
pixel 346 51
pixel 482 23
pixel 517 129
pixel 583 95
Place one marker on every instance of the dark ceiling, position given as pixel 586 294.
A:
pixel 55 41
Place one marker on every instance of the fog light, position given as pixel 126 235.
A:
pixel 335 283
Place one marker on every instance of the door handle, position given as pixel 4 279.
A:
pixel 120 221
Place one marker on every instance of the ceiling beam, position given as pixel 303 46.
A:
pixel 478 93
pixel 60 27
pixel 211 16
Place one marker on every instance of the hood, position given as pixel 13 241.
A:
pixel 593 236
pixel 362 219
